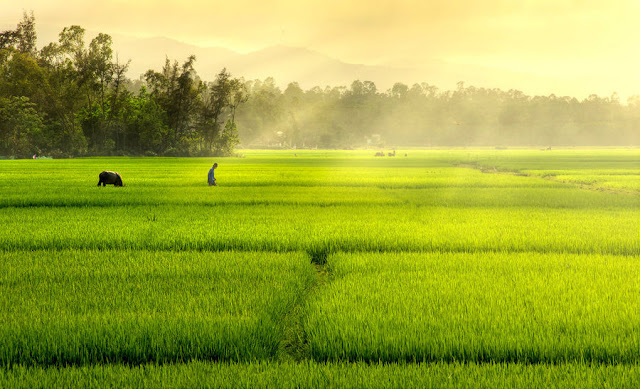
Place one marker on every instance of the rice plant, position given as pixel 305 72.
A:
pixel 82 307
pixel 479 307
pixel 261 374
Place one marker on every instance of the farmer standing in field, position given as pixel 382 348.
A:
pixel 210 177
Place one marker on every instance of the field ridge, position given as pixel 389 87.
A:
pixel 489 169
pixel 295 343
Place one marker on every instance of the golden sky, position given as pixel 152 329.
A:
pixel 559 38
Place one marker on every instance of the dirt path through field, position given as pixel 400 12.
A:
pixel 295 346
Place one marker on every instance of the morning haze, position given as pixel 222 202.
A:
pixel 573 48
pixel 127 81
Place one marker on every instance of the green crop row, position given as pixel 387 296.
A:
pixel 330 228
pixel 81 307
pixel 613 170
pixel 450 197
pixel 315 375
pixel 478 307
pixel 56 176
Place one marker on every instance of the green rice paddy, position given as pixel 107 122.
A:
pixel 444 268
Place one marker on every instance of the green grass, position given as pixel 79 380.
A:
pixel 478 307
pixel 82 307
pixel 199 374
pixel 602 169
pixel 276 227
pixel 504 268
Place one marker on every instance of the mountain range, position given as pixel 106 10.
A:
pixel 311 68
pixel 307 67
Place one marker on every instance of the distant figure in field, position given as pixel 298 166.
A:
pixel 111 178
pixel 392 154
pixel 380 154
pixel 211 177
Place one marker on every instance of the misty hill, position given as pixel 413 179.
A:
pixel 310 68
pixel 286 64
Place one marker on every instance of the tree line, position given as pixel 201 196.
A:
pixel 423 115
pixel 70 98
pixel 73 99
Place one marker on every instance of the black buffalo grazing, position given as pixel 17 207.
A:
pixel 110 178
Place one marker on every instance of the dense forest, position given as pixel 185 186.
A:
pixel 422 115
pixel 70 98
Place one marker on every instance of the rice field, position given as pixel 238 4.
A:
pixel 87 307
pixel 309 374
pixel 478 307
pixel 307 268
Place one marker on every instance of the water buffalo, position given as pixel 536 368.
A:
pixel 110 178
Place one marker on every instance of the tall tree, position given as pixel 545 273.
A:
pixel 177 91
pixel 21 127
pixel 26 36
pixel 220 101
